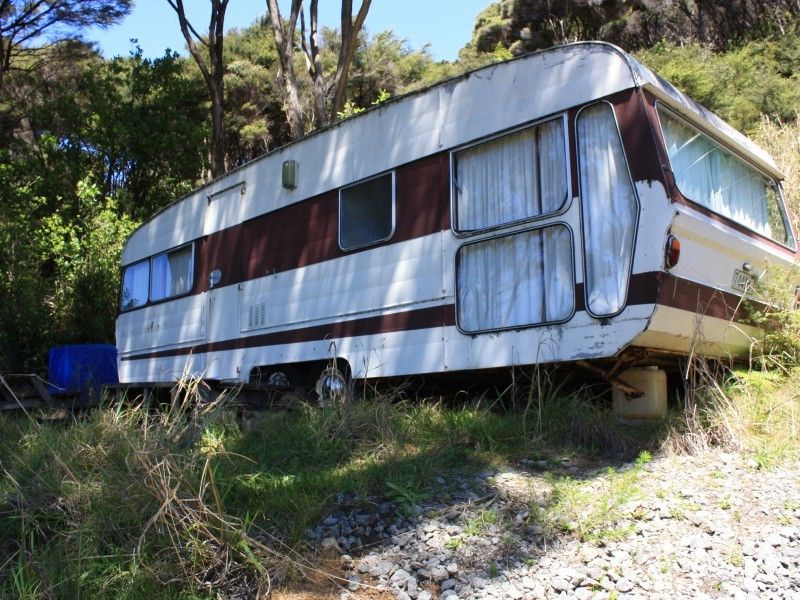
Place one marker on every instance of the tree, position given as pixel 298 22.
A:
pixel 38 38
pixel 24 23
pixel 285 46
pixel 526 25
pixel 213 71
pixel 324 110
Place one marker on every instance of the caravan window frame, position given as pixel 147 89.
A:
pixel 375 242
pixel 166 253
pixel 505 234
pixel 149 261
pixel 563 116
pixel 661 107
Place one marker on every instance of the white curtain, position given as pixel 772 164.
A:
pixel 516 280
pixel 180 267
pixel 609 210
pixel 710 175
pixel 515 177
pixel 171 274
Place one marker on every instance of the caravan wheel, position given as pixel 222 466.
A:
pixel 333 386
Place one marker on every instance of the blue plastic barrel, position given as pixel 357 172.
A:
pixel 81 369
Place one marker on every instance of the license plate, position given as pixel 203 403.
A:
pixel 742 281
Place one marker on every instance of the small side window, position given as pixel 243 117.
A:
pixel 366 212
pixel 135 279
pixel 171 273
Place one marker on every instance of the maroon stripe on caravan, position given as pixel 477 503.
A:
pixel 423 318
pixel 307 232
pixel 645 288
pixel 701 299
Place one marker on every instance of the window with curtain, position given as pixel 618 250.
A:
pixel 609 213
pixel 171 273
pixel 519 176
pixel 711 175
pixel 135 280
pixel 366 212
pixel 517 280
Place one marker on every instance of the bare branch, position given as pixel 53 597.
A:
pixel 350 31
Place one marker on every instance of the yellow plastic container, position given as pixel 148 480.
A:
pixel 653 405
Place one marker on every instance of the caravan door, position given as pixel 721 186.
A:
pixel 220 265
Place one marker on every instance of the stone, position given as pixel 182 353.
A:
pixel 353 582
pixel 448 584
pixel 381 569
pixel 399 577
pixel 425 595
pixel 774 539
pixel 624 584
pixel 560 584
pixel 771 564
pixel 330 543
pixel 583 593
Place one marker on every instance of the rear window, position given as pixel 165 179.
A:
pixel 711 175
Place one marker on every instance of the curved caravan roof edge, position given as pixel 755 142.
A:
pixel 445 115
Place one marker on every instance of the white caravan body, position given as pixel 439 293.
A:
pixel 518 214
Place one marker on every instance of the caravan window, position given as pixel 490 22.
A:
pixel 610 210
pixel 516 280
pixel 171 273
pixel 366 212
pixel 713 176
pixel 512 178
pixel 135 279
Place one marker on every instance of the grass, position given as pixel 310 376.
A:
pixel 126 502
pixel 594 509
pixel 782 141
pixel 196 501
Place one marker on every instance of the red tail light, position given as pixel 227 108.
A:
pixel 673 252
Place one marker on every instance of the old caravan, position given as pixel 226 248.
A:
pixel 566 205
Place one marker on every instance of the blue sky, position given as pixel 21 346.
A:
pixel 444 24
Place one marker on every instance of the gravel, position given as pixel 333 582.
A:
pixel 709 526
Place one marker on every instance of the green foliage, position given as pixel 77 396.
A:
pixel 85 254
pixel 755 79
pixel 773 308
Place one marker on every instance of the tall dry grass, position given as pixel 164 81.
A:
pixel 782 141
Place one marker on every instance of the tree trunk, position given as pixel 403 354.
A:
pixel 350 30
pixel 218 166
pixel 213 76
pixel 284 41
pixel 314 64
pixel 285 46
